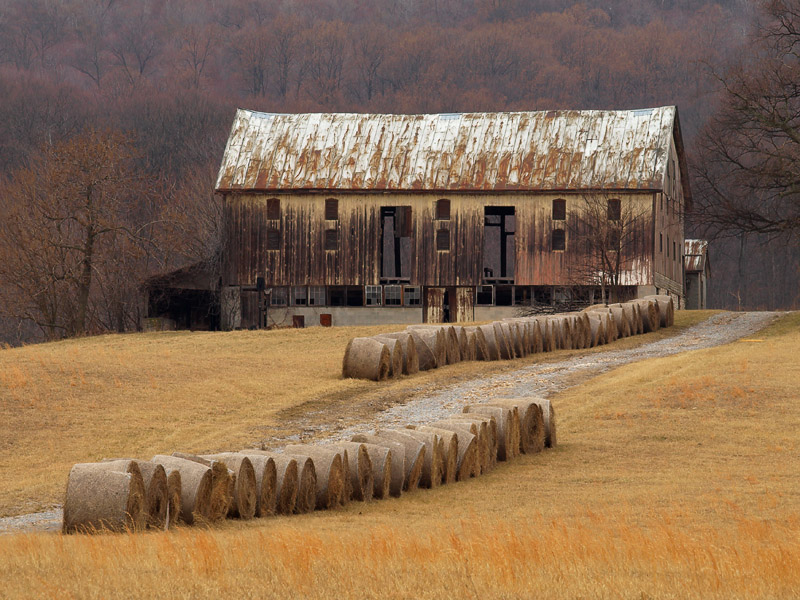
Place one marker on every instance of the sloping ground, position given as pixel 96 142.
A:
pixel 674 477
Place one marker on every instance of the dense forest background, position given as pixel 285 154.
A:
pixel 156 83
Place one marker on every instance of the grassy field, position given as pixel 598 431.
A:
pixel 144 394
pixel 674 478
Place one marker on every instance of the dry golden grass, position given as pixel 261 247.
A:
pixel 143 394
pixel 674 478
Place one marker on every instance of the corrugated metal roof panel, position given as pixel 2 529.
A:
pixel 695 253
pixel 552 150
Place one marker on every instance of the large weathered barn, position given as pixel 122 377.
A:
pixel 354 218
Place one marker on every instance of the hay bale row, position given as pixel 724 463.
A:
pixel 425 347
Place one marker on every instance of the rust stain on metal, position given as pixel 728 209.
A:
pixel 553 150
pixel 695 253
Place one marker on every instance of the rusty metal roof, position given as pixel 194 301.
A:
pixel 549 150
pixel 695 254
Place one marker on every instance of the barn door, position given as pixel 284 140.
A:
pixel 464 305
pixel 434 305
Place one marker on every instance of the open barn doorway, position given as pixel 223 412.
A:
pixel 499 224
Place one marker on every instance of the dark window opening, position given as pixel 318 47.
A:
pixel 559 210
pixel 337 296
pixel 499 251
pixel 559 239
pixel 396 244
pixel 331 239
pixel 485 295
pixel 373 295
pixel 674 251
pixel 273 209
pixel 614 210
pixel 543 295
pixel 443 210
pixel 522 295
pixel 331 209
pixel 667 246
pixel 273 238
pixel 504 295
pixel 355 296
pixel 443 239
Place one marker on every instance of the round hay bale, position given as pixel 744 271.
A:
pixel 492 343
pixel 621 320
pixel 380 458
pixel 452 353
pixel 532 433
pixel 504 344
pixel 433 467
pixel 481 347
pixel 449 440
pixel 549 416
pixel 156 493
pixel 649 315
pixel 596 329
pixel 435 340
pixel 426 355
pixel 307 484
pixel 397 478
pixel 105 496
pixel 222 484
pixel 244 502
pixel 366 358
pixel 489 433
pixel 362 479
pixel 396 353
pixel 557 332
pixel 329 470
pixel 287 480
pixel 174 487
pixel 537 339
pixel 463 342
pixel 414 453
pixel 196 484
pixel 631 316
pixel 515 336
pixel 508 427
pixel 473 451
pixel 461 448
pixel 409 348
pixel 267 486
pixel 484 443
pixel 666 309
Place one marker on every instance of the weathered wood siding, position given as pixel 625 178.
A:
pixel 302 260
pixel 669 229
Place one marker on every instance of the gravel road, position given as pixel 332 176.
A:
pixel 541 380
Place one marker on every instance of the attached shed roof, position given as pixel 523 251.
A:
pixel 695 255
pixel 548 150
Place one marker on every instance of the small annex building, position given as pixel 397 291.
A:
pixel 344 219
pixel 698 271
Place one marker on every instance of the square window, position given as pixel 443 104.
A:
pixel 337 296
pixel 331 239
pixel 443 210
pixel 559 210
pixel 614 210
pixel 393 295
pixel 484 295
pixel 443 240
pixel 316 296
pixel 373 293
pixel 331 209
pixel 273 209
pixel 413 295
pixel 559 239
pixel 273 238
pixel 279 296
pixel 299 296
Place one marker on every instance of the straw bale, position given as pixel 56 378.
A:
pixel 395 354
pixel 307 484
pixel 436 341
pixel 329 470
pixel 516 337
pixel 508 427
pixel 557 332
pixel 277 481
pixel 502 339
pixel 463 463
pixel 621 320
pixel 426 355
pixel 463 342
pixel 156 494
pixel 105 496
pixel 196 485
pixel 366 358
pixel 492 351
pixel 415 453
pixel 409 349
pixel 222 484
pixel 597 330
pixel 549 335
pixel 532 434
pixel 174 487
pixel 362 478
pixel 549 416
pixel 490 433
pixel 481 347
pixel 649 315
pixel 433 467
pixel 397 477
pixel 449 441
pixel 666 308
pixel 380 459
pixel 453 345
pixel 244 503
pixel 473 445
pixel 631 316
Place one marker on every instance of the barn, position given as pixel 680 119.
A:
pixel 343 219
